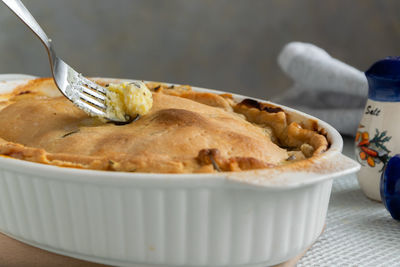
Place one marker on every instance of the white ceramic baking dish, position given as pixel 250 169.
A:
pixel 252 218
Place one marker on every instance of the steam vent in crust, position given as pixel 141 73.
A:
pixel 184 132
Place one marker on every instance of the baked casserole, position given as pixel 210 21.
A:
pixel 184 132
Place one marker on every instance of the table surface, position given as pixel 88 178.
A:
pixel 359 232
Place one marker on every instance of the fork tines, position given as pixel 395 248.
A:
pixel 93 85
pixel 92 96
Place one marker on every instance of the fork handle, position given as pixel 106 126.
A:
pixel 22 12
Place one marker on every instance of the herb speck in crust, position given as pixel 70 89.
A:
pixel 69 133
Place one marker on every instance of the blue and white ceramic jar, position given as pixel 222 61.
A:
pixel 378 135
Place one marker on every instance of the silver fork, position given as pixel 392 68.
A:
pixel 84 93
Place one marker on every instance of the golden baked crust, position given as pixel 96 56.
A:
pixel 185 132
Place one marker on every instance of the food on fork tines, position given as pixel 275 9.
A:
pixel 127 99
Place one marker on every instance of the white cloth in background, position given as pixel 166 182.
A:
pixel 323 86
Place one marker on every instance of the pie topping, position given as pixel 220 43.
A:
pixel 183 132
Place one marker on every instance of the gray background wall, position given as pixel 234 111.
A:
pixel 223 44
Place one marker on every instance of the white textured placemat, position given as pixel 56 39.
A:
pixel 359 231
